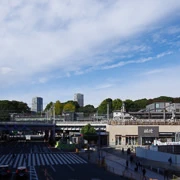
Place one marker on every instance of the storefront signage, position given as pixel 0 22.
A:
pixel 149 131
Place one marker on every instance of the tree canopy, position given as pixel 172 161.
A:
pixel 10 107
pixel 69 107
pixel 87 110
pixel 89 133
pixel 102 109
pixel 58 107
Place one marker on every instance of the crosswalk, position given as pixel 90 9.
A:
pixel 41 159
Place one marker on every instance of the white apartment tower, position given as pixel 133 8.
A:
pixel 37 104
pixel 79 98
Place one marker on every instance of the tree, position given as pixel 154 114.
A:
pixel 69 107
pixel 58 107
pixel 140 104
pixel 117 104
pixel 48 106
pixel 8 107
pixel 87 110
pixel 89 133
pixel 129 105
pixel 102 109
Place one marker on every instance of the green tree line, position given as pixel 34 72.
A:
pixel 7 107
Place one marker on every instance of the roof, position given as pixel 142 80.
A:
pixel 21 167
pixel 4 165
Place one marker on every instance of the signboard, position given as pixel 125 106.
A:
pixel 28 137
pixel 148 131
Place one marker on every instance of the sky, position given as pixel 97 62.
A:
pixel 102 49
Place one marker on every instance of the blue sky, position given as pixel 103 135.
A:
pixel 103 49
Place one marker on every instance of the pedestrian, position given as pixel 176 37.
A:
pixel 144 172
pixel 128 151
pixel 170 161
pixel 137 166
pixel 131 158
pixel 166 174
pixel 122 150
pixel 127 163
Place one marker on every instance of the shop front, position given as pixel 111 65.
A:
pixel 167 136
pixel 147 134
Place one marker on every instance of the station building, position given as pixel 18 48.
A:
pixel 159 121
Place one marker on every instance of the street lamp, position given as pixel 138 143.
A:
pixel 53 121
pixel 99 147
pixel 107 112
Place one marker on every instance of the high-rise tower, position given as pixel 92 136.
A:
pixel 79 98
pixel 37 104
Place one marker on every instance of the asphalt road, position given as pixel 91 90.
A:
pixel 75 172
pixel 23 147
pixel 45 163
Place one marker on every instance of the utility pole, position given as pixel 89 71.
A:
pixel 107 112
pixel 54 121
pixel 99 147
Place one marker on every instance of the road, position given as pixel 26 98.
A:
pixel 45 163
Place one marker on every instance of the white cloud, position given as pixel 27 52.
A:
pixel 154 71
pixel 148 86
pixel 103 86
pixel 5 70
pixel 43 80
pixel 46 35
pixel 45 40
pixel 142 60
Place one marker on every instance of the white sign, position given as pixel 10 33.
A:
pixel 28 137
pixel 149 131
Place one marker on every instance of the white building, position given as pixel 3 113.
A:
pixel 79 98
pixel 37 104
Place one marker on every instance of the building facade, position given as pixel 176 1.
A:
pixel 79 98
pixel 163 106
pixel 37 104
pixel 142 133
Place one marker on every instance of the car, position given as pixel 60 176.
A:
pixel 5 170
pixel 22 172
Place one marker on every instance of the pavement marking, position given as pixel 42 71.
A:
pixel 53 168
pixel 42 159
pixel 71 168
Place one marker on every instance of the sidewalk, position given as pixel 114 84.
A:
pixel 116 163
pixel 150 164
pixel 119 164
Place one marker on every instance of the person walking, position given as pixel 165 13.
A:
pixel 127 163
pixel 131 158
pixel 166 173
pixel 170 161
pixel 144 173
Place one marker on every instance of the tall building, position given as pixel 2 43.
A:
pixel 37 104
pixel 79 98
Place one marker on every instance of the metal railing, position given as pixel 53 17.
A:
pixel 102 122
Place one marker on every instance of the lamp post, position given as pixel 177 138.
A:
pixel 99 147
pixel 107 112
pixel 54 122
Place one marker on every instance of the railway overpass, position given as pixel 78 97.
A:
pixel 49 125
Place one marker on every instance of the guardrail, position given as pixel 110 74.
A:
pixel 82 122
pixel 102 122
pixel 25 122
pixel 144 122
